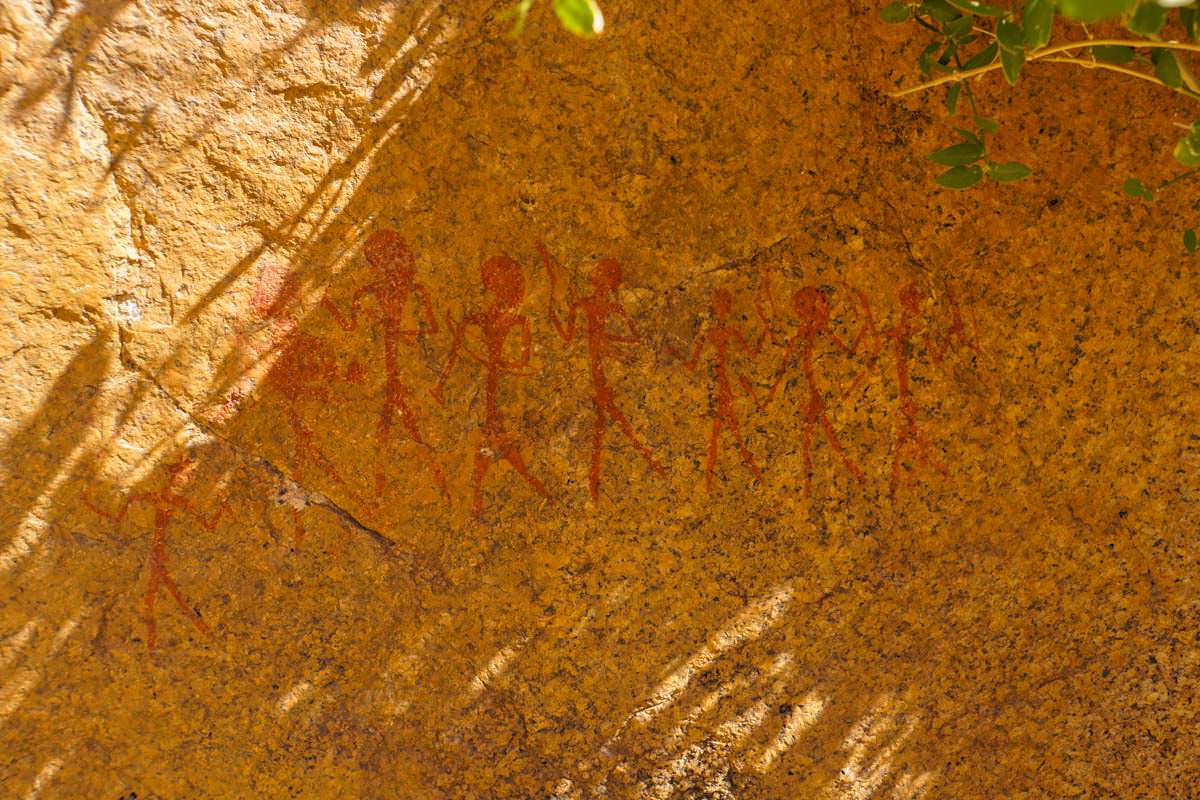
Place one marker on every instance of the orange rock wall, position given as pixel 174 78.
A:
pixel 395 409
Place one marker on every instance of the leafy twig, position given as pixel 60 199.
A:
pixel 1044 53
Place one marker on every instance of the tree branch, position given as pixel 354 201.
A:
pixel 1045 52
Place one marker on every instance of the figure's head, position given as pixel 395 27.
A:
pixel 811 308
pixel 388 253
pixel 607 275
pixel 502 277
pixel 278 290
pixel 722 303
pixel 911 297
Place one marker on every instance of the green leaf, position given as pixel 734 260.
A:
pixel 948 53
pixel 940 10
pixel 970 137
pixel 580 17
pixel 986 125
pixel 1012 49
pixel 957 154
pixel 1186 155
pixel 960 177
pixel 1187 18
pixel 957 28
pixel 1135 188
pixel 519 13
pixel 1187 151
pixel 1148 19
pixel 925 59
pixel 981 9
pixel 895 13
pixel 1038 20
pixel 1009 34
pixel 1114 54
pixel 1093 10
pixel 1011 63
pixel 984 57
pixel 1189 240
pixel 1167 68
pixel 952 98
pixel 1011 171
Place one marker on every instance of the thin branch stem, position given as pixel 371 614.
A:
pixel 1085 64
pixel 1191 173
pixel 967 86
pixel 1045 52
pixel 927 26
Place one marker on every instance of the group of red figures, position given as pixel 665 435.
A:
pixel 403 307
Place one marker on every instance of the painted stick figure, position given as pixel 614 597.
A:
pixel 812 322
pixel 395 271
pixel 166 502
pixel 903 336
pixel 956 334
pixel 720 335
pixel 303 370
pixel 502 279
pixel 598 308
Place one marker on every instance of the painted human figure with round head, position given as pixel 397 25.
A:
pixel 813 325
pixel 600 308
pixel 721 335
pixel 504 288
pixel 170 499
pixel 394 288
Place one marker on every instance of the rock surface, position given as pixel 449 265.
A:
pixel 320 478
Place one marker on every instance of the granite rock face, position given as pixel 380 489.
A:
pixel 397 409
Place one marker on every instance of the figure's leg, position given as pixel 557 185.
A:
pixel 508 448
pixel 298 528
pixel 597 450
pixel 409 420
pixel 710 463
pixel 482 462
pixel 181 601
pixel 638 445
pixel 149 600
pixel 806 447
pixel 837 448
pixel 297 464
pixel 903 437
pixel 383 431
pixel 735 428
pixel 306 443
pixel 923 450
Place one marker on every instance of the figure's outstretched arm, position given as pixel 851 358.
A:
pixel 872 358
pixel 746 347
pixel 526 346
pixel 634 337
pixel 956 335
pixel 452 359
pixel 789 358
pixel 939 347
pixel 208 524
pixel 427 306
pixel 839 342
pixel 87 501
pixel 868 329
pixel 764 293
pixel 566 331
pixel 697 348
pixel 351 323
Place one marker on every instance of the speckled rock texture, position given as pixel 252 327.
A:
pixel 395 409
